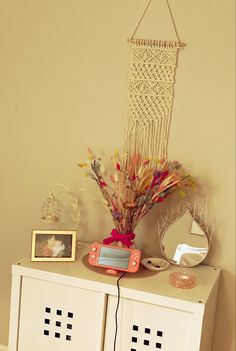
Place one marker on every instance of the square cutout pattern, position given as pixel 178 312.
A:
pixel 50 322
pixel 146 338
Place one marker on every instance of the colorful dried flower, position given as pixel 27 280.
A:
pixel 134 189
pixel 118 166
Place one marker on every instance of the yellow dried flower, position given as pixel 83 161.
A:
pixel 82 165
pixel 182 193
pixel 116 154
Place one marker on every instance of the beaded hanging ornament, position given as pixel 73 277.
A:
pixel 150 95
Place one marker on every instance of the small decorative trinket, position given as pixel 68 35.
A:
pixel 155 264
pixel 182 280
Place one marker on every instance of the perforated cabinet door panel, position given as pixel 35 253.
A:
pixel 147 327
pixel 55 317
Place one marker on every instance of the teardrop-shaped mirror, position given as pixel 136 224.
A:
pixel 184 242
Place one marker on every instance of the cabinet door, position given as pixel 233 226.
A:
pixel 56 317
pixel 147 327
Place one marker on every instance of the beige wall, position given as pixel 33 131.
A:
pixel 63 69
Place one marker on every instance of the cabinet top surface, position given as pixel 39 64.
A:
pixel 145 282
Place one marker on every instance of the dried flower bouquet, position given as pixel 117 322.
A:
pixel 131 189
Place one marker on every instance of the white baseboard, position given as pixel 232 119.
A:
pixel 3 348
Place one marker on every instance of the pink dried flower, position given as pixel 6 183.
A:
pixel 118 166
pixel 101 183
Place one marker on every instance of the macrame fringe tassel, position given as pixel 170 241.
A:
pixel 150 143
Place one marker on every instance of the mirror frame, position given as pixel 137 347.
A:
pixel 202 226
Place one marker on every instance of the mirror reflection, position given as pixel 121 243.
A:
pixel 185 243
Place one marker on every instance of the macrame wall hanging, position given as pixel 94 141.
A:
pixel 150 94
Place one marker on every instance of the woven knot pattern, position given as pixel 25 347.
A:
pixel 146 108
pixel 157 55
pixel 150 97
pixel 151 82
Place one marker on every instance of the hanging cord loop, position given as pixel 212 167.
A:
pixel 171 16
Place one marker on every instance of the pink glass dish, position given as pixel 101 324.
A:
pixel 182 280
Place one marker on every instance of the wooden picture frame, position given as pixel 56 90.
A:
pixel 53 245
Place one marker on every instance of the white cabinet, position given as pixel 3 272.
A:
pixel 144 326
pixel 59 317
pixel 71 307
